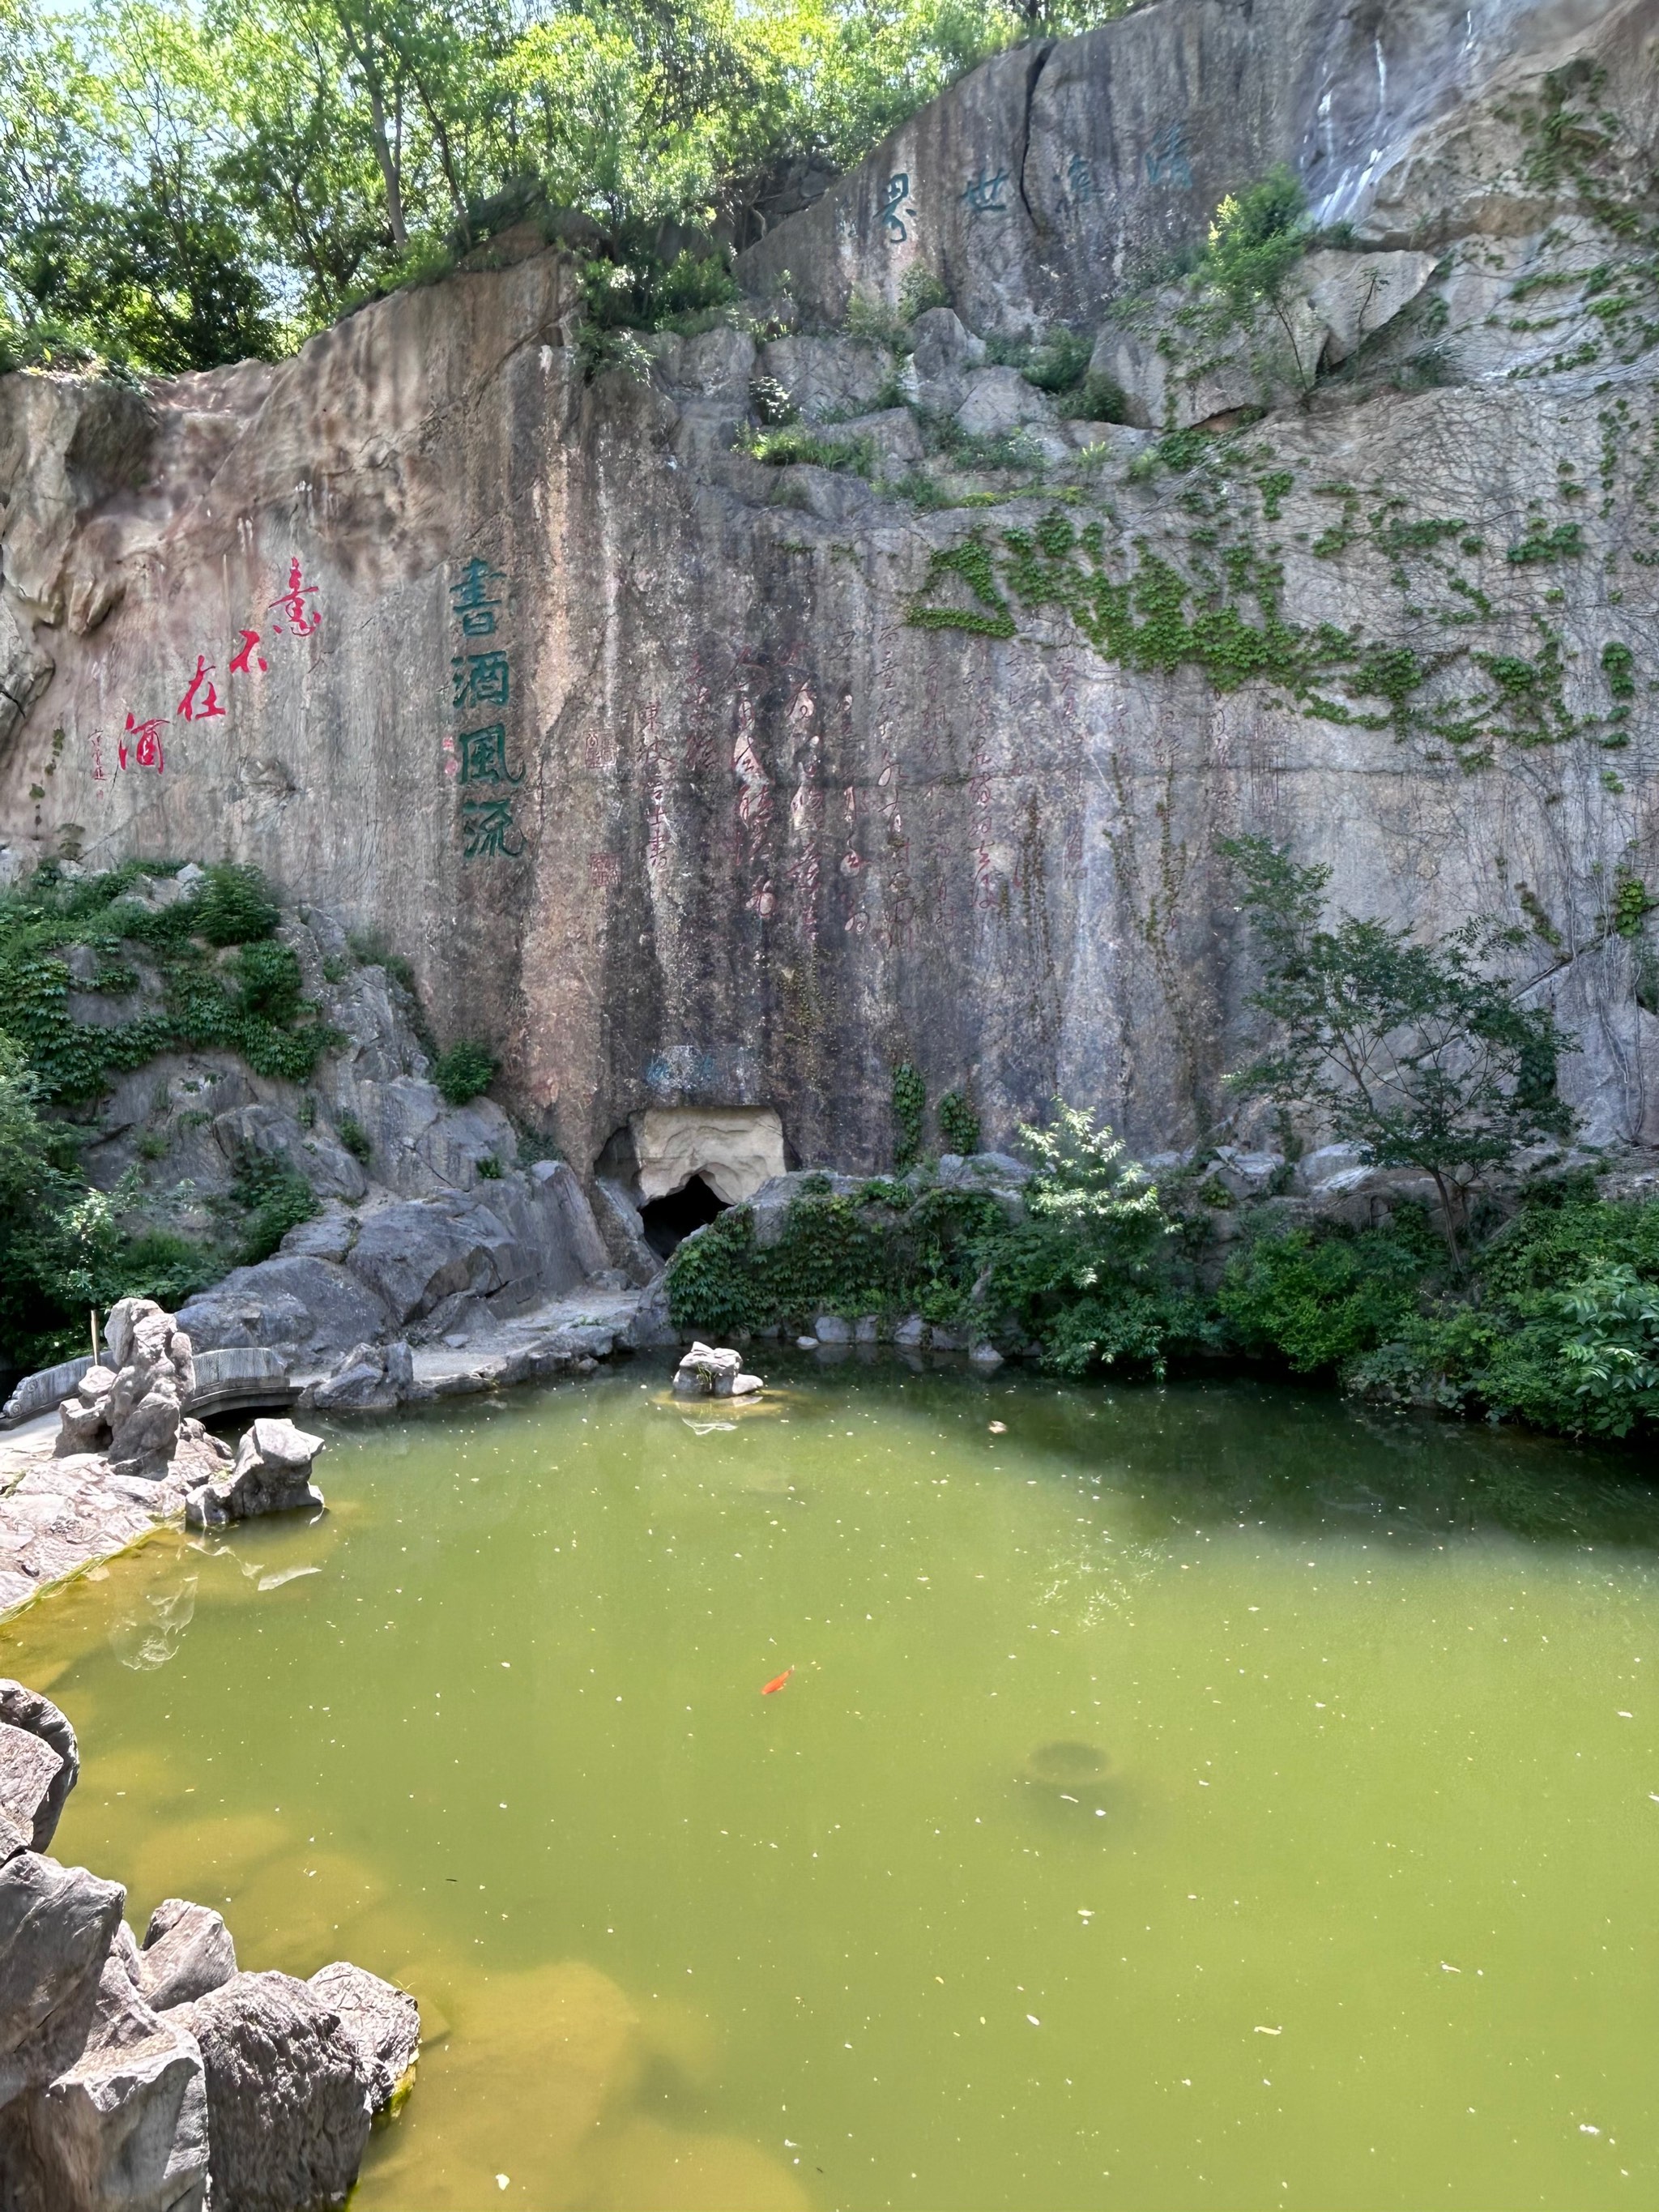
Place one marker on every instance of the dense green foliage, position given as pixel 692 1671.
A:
pixel 203 970
pixel 274 1198
pixel 1256 238
pixel 1552 1318
pixel 183 183
pixel 222 980
pixel 464 1072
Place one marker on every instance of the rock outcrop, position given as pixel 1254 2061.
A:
pixel 162 2080
pixel 747 783
pixel 132 1412
pixel 713 1371
pixel 271 1474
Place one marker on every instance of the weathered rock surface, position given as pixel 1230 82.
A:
pixel 271 1474
pixel 124 2128
pixel 187 1951
pixel 28 1713
pixel 132 1410
pixel 288 2104
pixel 534 1236
pixel 1182 356
pixel 292 1303
pixel 804 802
pixel 382 2021
pixel 153 2081
pixel 713 1371
pixel 371 1378
pixel 57 1924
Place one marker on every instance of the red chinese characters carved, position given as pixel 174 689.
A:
pixel 146 747
pixel 194 707
pixel 239 665
pixel 301 619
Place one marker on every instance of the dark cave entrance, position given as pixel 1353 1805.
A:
pixel 668 1221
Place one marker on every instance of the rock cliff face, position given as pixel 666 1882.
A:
pixel 693 782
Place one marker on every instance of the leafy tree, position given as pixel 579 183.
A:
pixel 1256 238
pixel 1414 1053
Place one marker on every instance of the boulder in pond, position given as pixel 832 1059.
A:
pixel 287 2094
pixel 371 1378
pixel 271 1474
pixel 28 1768
pixel 706 1371
pixel 187 1951
pixel 383 2021
pixel 1065 1764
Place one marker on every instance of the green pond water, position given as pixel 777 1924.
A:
pixel 1204 1796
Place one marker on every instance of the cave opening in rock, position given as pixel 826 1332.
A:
pixel 669 1220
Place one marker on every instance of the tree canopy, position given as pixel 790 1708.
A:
pixel 187 182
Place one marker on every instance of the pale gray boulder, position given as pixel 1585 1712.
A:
pixel 825 376
pixel 295 1301
pixel 998 400
pixel 123 2127
pixel 943 353
pixel 706 1372
pixel 288 2098
pixel 413 1255
pixel 28 1768
pixel 359 1384
pixel 383 2021
pixel 57 1924
pixel 131 1407
pixel 187 1951
pixel 25 1709
pixel 271 1474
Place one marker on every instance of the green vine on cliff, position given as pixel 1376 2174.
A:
pixel 1226 618
pixel 224 981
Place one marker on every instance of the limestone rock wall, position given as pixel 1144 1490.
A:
pixel 635 748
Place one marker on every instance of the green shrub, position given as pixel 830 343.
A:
pixel 1321 1298
pixel 918 290
pixel 792 444
pixel 1061 363
pixel 267 981
pixel 489 1168
pixel 1256 239
pixel 356 1139
pixel 273 1198
pixel 465 1071
pixel 157 1264
pixel 232 907
pixel 1097 399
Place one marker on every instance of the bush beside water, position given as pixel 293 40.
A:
pixel 1554 1323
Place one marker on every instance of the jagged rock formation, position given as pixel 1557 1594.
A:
pixel 271 1474
pixel 161 2079
pixel 697 783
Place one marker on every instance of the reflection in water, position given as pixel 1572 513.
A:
pixel 151 1635
pixel 1148 1760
